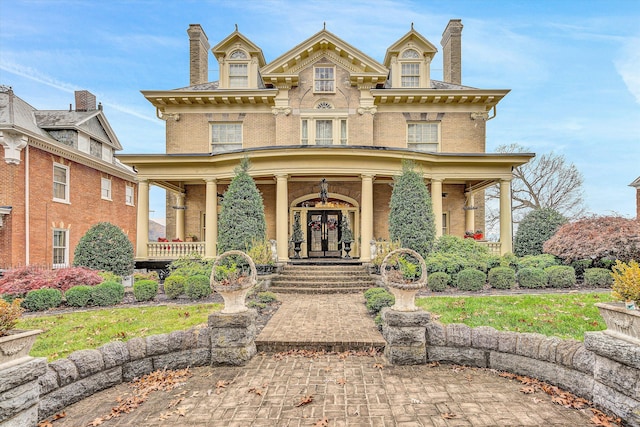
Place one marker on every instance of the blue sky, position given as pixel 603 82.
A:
pixel 573 66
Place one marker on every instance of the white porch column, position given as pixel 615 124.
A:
pixel 180 216
pixel 436 199
pixel 282 217
pixel 469 213
pixel 506 235
pixel 211 218
pixel 366 217
pixel 142 226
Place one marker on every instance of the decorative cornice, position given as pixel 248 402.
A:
pixel 13 143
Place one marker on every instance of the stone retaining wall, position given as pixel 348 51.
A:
pixel 603 369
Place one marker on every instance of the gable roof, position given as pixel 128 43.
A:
pixel 362 67
pixel 238 39
pixel 94 123
pixel 635 183
pixel 414 39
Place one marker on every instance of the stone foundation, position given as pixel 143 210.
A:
pixel 20 392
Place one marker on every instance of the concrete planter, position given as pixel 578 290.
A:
pixel 234 290
pixel 404 292
pixel 16 346
pixel 621 322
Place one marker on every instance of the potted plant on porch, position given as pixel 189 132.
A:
pixel 296 235
pixel 623 318
pixel 232 276
pixel 15 344
pixel 346 237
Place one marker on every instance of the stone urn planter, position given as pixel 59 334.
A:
pixel 621 322
pixel 230 282
pixel 16 345
pixel 403 289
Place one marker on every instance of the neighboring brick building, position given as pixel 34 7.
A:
pixel 58 177
pixel 636 185
pixel 323 109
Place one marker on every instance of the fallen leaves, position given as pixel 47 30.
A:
pixel 314 354
pixel 449 415
pixel 255 390
pixel 322 423
pixel 305 400
pixel 341 381
pixel 601 419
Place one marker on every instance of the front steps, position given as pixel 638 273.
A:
pixel 322 279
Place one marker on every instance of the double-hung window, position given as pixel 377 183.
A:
pixel 60 248
pixel 128 195
pixel 60 183
pixel 410 68
pixel 226 136
pixel 105 188
pixel 423 136
pixel 238 69
pixel 323 131
pixel 324 79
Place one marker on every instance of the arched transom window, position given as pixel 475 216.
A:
pixel 410 68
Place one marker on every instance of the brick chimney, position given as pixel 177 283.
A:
pixel 452 52
pixel 85 100
pixel 198 55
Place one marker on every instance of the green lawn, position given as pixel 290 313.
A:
pixel 560 315
pixel 66 333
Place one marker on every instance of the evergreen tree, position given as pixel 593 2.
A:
pixel 242 218
pixel 536 227
pixel 105 247
pixel 411 220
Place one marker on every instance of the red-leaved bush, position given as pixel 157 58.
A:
pixel 21 280
pixel 596 238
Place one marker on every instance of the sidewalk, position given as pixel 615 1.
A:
pixel 341 389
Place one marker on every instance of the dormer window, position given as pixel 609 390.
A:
pixel 410 69
pixel 324 79
pixel 238 72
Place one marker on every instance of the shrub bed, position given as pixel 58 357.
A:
pixel 78 296
pixel 598 277
pixel 42 299
pixel 502 278
pixel 471 279
pixel 532 278
pixel 197 287
pixel 377 299
pixel 439 281
pixel 561 276
pixel 107 293
pixel 145 290
pixel 174 286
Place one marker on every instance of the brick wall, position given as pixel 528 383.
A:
pixel 85 209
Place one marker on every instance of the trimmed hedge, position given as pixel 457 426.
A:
pixel 197 287
pixel 502 278
pixel 561 276
pixel 538 261
pixel 145 290
pixel 377 299
pixel 78 296
pixel 471 279
pixel 107 293
pixel 439 281
pixel 267 297
pixel 42 299
pixel 598 277
pixel 174 286
pixel 532 278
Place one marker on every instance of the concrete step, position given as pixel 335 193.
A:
pixel 323 290
pixel 320 283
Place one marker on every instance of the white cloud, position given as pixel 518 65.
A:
pixel 628 65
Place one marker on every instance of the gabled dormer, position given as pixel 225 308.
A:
pixel 239 62
pixel 409 61
pixel 364 71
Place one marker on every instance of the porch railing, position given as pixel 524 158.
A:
pixel 173 250
pixel 494 247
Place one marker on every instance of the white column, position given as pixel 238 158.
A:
pixel 506 235
pixel 282 217
pixel 180 216
pixel 211 218
pixel 366 217
pixel 142 226
pixel 470 214
pixel 436 199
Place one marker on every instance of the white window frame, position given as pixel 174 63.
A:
pixel 445 223
pixel 238 79
pixel 60 183
pixel 323 83
pixel 223 139
pixel 410 74
pixel 58 250
pixel 415 133
pixel 105 189
pixel 309 130
pixel 129 195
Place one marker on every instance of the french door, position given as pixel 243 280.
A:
pixel 323 231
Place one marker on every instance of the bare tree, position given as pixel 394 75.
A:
pixel 547 181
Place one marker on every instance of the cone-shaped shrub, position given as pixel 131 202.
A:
pixel 536 227
pixel 105 247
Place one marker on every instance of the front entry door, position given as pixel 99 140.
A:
pixel 324 234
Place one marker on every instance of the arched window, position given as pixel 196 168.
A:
pixel 238 71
